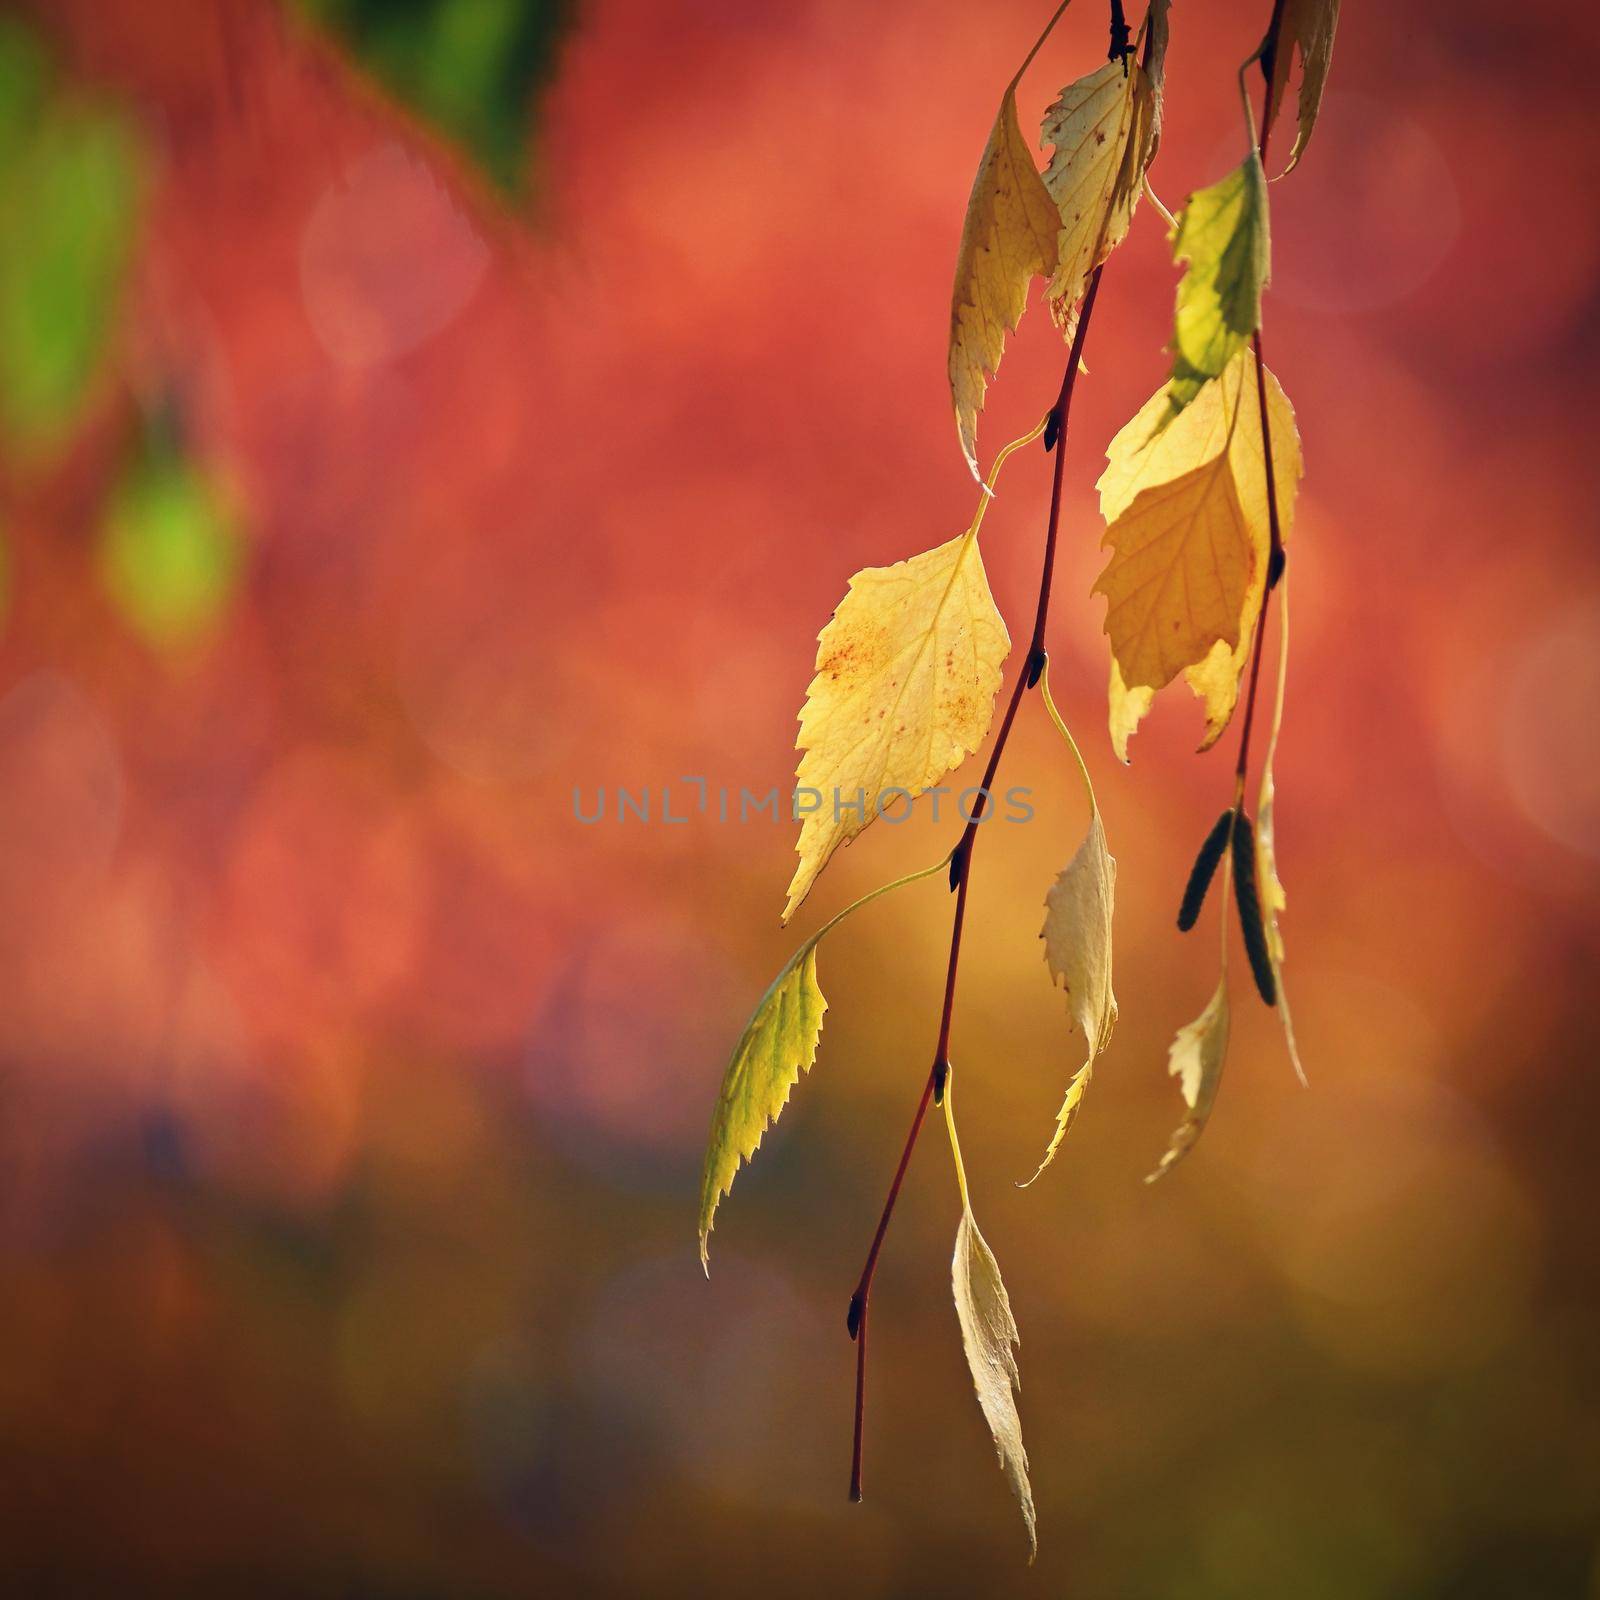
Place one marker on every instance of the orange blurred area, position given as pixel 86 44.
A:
pixel 353 1089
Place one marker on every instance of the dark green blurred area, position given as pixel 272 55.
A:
pixel 474 68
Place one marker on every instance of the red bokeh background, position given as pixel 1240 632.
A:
pixel 353 1092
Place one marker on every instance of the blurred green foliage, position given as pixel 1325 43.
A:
pixel 70 180
pixel 169 553
pixel 474 68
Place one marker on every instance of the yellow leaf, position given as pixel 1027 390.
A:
pixel 988 1334
pixel 1104 130
pixel 779 1042
pixel 1128 710
pixel 1187 521
pixel 1077 941
pixel 1007 239
pixel 1195 1059
pixel 904 690
pixel 989 1337
pixel 1222 234
pixel 1305 27
pixel 1273 899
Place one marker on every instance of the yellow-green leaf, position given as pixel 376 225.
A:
pixel 906 676
pixel 1103 128
pixel 1306 28
pixel 1007 239
pixel 1222 234
pixel 1195 1059
pixel 1187 522
pixel 778 1043
pixel 990 1338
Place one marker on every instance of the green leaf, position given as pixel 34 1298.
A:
pixel 70 185
pixel 1222 234
pixel 472 68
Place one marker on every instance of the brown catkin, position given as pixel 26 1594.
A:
pixel 1202 872
pixel 1250 924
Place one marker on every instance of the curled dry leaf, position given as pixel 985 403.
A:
pixel 779 1042
pixel 1077 950
pixel 1195 1059
pixel 1007 239
pixel 1187 523
pixel 989 1337
pixel 1305 28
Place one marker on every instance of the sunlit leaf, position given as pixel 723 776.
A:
pixel 1007 239
pixel 778 1044
pixel 1195 1059
pixel 1103 129
pixel 1304 28
pixel 906 675
pixel 473 68
pixel 1222 234
pixel 1190 534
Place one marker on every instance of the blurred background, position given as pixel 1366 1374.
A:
pixel 412 414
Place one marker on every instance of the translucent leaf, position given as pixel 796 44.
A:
pixel 906 676
pixel 1007 238
pixel 778 1043
pixel 1222 234
pixel 1103 129
pixel 1190 534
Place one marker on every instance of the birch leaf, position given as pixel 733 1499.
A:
pixel 1305 28
pixel 1077 950
pixel 1104 130
pixel 778 1043
pixel 906 676
pixel 1195 1059
pixel 1187 521
pixel 989 1337
pixel 1273 899
pixel 1222 234
pixel 1007 239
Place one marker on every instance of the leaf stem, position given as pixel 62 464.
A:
pixel 960 864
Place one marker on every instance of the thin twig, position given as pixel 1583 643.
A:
pixel 960 873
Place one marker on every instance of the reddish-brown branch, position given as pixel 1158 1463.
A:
pixel 1271 60
pixel 960 870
